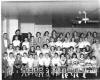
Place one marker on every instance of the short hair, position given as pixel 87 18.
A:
pixel 74 54
pixel 38 33
pixel 46 32
pixel 45 45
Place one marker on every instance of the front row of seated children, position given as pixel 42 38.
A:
pixel 56 64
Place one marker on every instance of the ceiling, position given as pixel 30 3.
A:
pixel 29 8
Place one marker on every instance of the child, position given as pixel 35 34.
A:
pixel 10 49
pixel 58 43
pixel 26 43
pixel 38 50
pixel 16 42
pixel 94 65
pixel 5 64
pixel 46 36
pixel 52 51
pixel 88 65
pixel 45 49
pixel 10 60
pixel 30 64
pixel 63 64
pixel 52 43
pixel 59 50
pixel 36 64
pixel 24 50
pixel 47 62
pixel 73 43
pixel 55 62
pixel 32 41
pixel 41 60
pixel 75 64
pixel 17 64
pixel 17 50
pixel 32 50
pixel 71 51
pixel 24 64
pixel 66 43
pixel 82 64
pixel 41 64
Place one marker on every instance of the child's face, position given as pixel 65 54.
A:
pixel 52 40
pixel 24 47
pixel 25 55
pixel 72 39
pixel 82 56
pixel 35 56
pixel 41 55
pixel 17 48
pixel 32 48
pixel 26 39
pixel 74 56
pixel 62 56
pixel 5 35
pixel 38 34
pixel 31 56
pixel 5 55
pixel 59 48
pixel 56 55
pixel 46 55
pixel 64 50
pixel 83 50
pixel 16 38
pixel 10 47
pixel 10 55
pixel 58 39
pixel 88 57
pixel 71 49
pixel 45 47
pixel 52 48
pixel 38 48
pixel 47 41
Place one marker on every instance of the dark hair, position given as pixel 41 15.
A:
pixel 62 54
pixel 37 46
pixel 74 54
pixel 10 53
pixel 66 35
pixel 46 32
pixel 38 33
pixel 45 45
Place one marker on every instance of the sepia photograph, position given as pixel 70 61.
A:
pixel 50 40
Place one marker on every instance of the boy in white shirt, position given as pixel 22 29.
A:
pixel 24 64
pixel 30 64
pixel 55 62
pixel 16 42
pixel 26 43
pixel 10 60
pixel 41 64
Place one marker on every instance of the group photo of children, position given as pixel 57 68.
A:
pixel 56 54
